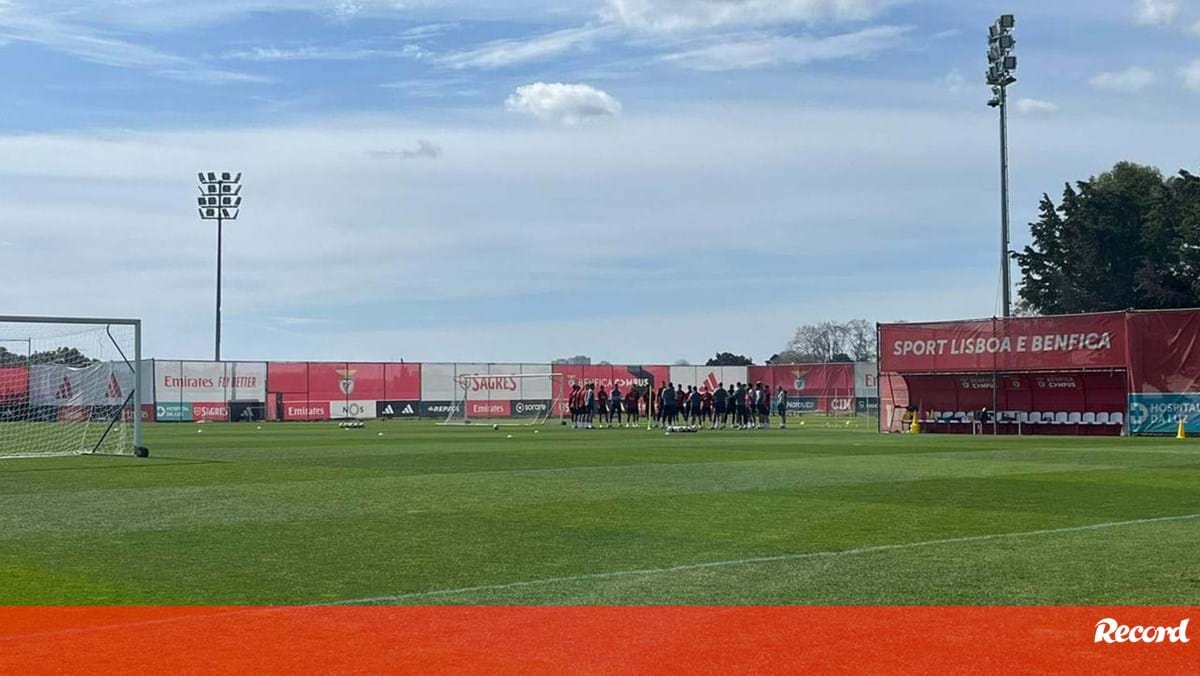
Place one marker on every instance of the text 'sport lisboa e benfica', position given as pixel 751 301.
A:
pixel 1102 374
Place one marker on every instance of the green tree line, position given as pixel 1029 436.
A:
pixel 1126 239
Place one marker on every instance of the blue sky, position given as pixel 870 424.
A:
pixel 512 180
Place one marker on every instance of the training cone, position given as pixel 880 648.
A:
pixel 915 427
pixel 1182 433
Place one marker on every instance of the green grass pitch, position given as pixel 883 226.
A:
pixel 820 514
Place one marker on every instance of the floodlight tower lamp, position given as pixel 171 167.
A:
pixel 220 200
pixel 1002 65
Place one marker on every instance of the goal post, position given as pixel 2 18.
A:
pixel 506 399
pixel 70 386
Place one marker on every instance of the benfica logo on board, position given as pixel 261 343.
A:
pixel 346 383
pixel 800 379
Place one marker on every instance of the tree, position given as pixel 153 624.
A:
pixel 68 356
pixel 830 341
pixel 1116 241
pixel 682 362
pixel 789 357
pixel 729 359
pixel 861 338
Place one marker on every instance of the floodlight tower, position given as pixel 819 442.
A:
pixel 1002 64
pixel 220 200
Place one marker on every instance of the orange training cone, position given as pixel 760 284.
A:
pixel 1182 433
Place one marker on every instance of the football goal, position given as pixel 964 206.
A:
pixel 506 399
pixel 70 386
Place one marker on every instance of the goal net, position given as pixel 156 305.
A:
pixel 69 386
pixel 506 399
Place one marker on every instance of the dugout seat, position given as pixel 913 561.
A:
pixel 1075 418
pixel 1023 417
pixel 1088 418
pixel 1061 418
pixel 1102 418
pixel 1118 419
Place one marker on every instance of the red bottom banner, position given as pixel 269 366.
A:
pixel 614 640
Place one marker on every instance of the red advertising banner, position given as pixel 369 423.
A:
pixel 1165 352
pixel 500 408
pixel 341 380
pixel 402 382
pixel 807 380
pixel 306 410
pixel 626 377
pixel 217 411
pixel 1022 344
pixel 287 376
pixel 598 640
pixel 14 383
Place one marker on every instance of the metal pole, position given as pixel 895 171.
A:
pixel 1004 239
pixel 218 340
pixel 137 385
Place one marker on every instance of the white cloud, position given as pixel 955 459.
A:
pixel 347 9
pixel 955 81
pixel 1036 107
pixel 425 150
pixel 566 104
pixel 328 232
pixel 758 50
pixel 1131 80
pixel 1191 75
pixel 317 53
pixel 1156 12
pixel 95 47
pixel 681 15
pixel 502 53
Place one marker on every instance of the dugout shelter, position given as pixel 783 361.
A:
pixel 1091 374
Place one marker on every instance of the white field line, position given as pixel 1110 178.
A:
pixel 596 576
pixel 752 561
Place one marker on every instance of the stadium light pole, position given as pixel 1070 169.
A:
pixel 1002 64
pixel 220 200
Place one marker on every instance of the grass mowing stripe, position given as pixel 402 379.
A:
pixel 764 559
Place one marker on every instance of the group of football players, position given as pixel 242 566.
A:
pixel 740 406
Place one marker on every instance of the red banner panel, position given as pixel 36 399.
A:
pixel 625 376
pixel 331 380
pixel 306 410
pixel 74 413
pixel 606 375
pixel 147 413
pixel 1021 344
pixel 210 412
pixel 599 640
pixel 14 383
pixel 287 376
pixel 807 380
pixel 402 382
pixel 1165 352
pixel 501 408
